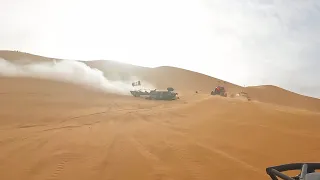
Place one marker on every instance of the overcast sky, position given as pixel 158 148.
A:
pixel 247 42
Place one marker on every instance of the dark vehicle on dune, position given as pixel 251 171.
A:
pixel 155 94
pixel 307 171
pixel 219 90
pixel 163 95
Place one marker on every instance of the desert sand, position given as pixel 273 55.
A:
pixel 63 131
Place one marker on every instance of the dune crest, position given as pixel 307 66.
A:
pixel 162 77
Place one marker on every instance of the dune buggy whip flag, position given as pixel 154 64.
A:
pixel 138 83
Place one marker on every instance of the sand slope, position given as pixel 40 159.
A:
pixel 182 80
pixel 279 96
pixel 55 130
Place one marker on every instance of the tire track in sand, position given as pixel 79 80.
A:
pixel 190 163
pixel 183 154
pixel 65 158
pixel 101 166
pixel 193 169
pixel 219 152
pixel 157 165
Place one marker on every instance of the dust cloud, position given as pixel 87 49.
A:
pixel 67 71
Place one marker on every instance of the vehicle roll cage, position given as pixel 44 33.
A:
pixel 275 171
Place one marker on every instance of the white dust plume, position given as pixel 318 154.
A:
pixel 67 71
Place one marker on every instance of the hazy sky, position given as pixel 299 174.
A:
pixel 247 42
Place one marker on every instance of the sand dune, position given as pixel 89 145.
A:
pixel 57 130
pixel 279 96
